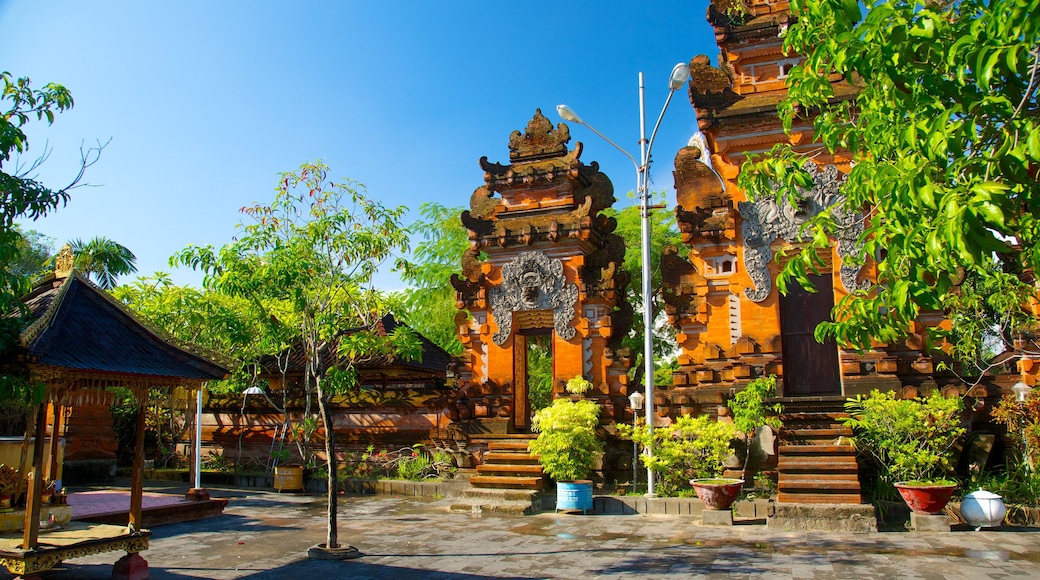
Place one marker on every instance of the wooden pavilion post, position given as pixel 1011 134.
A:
pixel 53 468
pixel 32 497
pixel 137 476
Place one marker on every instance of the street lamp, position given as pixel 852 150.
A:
pixel 636 400
pixel 1022 392
pixel 680 74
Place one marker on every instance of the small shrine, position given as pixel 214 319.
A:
pixel 544 266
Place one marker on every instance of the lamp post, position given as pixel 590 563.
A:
pixel 636 400
pixel 1022 392
pixel 680 74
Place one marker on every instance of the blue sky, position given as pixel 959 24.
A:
pixel 206 102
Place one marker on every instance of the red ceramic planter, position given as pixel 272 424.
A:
pixel 717 494
pixel 926 499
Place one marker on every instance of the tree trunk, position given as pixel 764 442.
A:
pixel 332 538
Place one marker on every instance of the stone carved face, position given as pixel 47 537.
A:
pixel 530 282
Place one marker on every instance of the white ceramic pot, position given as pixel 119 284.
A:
pixel 982 509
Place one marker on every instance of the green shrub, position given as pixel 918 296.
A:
pixel 567 444
pixel 751 412
pixel 909 439
pixel 690 448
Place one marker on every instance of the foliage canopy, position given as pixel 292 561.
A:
pixel 942 131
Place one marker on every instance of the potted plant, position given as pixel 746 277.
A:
pixel 750 412
pixel 691 450
pixel 567 448
pixel 10 479
pixel 288 476
pixel 912 443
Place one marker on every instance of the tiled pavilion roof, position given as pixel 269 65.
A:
pixel 74 325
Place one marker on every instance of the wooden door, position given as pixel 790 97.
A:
pixel 523 374
pixel 810 368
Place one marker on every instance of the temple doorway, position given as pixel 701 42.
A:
pixel 533 374
pixel 810 368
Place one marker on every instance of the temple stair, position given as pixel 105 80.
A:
pixel 816 458
pixel 509 481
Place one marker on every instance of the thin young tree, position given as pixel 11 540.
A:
pixel 317 247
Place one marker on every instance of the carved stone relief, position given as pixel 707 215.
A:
pixel 533 282
pixel 765 220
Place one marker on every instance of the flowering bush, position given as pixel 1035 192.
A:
pixel 567 444
pixel 690 448
pixel 910 439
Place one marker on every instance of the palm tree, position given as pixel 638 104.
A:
pixel 103 260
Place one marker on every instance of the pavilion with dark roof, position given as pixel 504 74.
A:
pixel 77 342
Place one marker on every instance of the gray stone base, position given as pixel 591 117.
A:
pixel 858 518
pixel 929 522
pixel 717 518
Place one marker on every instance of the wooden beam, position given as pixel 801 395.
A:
pixel 32 498
pixel 137 476
pixel 53 468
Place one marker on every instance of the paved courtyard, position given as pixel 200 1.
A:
pixel 265 535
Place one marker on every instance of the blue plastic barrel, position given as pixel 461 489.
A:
pixel 574 495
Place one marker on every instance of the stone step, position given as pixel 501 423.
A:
pixel 835 475
pixel 816 433
pixel 512 482
pixel 517 446
pixel 816 450
pixel 822 464
pixel 515 502
pixel 510 458
pixel 817 485
pixel 818 498
pixel 813 416
pixel 488 495
pixel 509 469
pixel 506 509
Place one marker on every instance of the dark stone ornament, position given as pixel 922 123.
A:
pixel 533 282
pixel 765 220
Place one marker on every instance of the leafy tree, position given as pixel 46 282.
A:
pixel 944 136
pixel 429 302
pixel 103 260
pixel 34 252
pixel 22 197
pixel 664 233
pixel 316 247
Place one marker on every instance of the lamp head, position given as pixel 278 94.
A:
pixel 680 74
pixel 1021 391
pixel 253 390
pixel 636 399
pixel 567 114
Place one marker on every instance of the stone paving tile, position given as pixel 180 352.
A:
pixel 265 535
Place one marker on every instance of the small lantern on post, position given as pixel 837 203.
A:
pixel 1022 392
pixel 636 400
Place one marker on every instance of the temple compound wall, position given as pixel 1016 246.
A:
pixel 543 261
pixel 732 322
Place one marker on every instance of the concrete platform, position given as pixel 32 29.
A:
pixel 855 518
pixel 112 506
pixel 930 522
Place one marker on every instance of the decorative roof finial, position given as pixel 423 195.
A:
pixel 64 263
pixel 540 140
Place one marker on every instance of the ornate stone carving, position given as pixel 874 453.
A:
pixel 765 220
pixel 539 140
pixel 533 282
pixel 64 263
